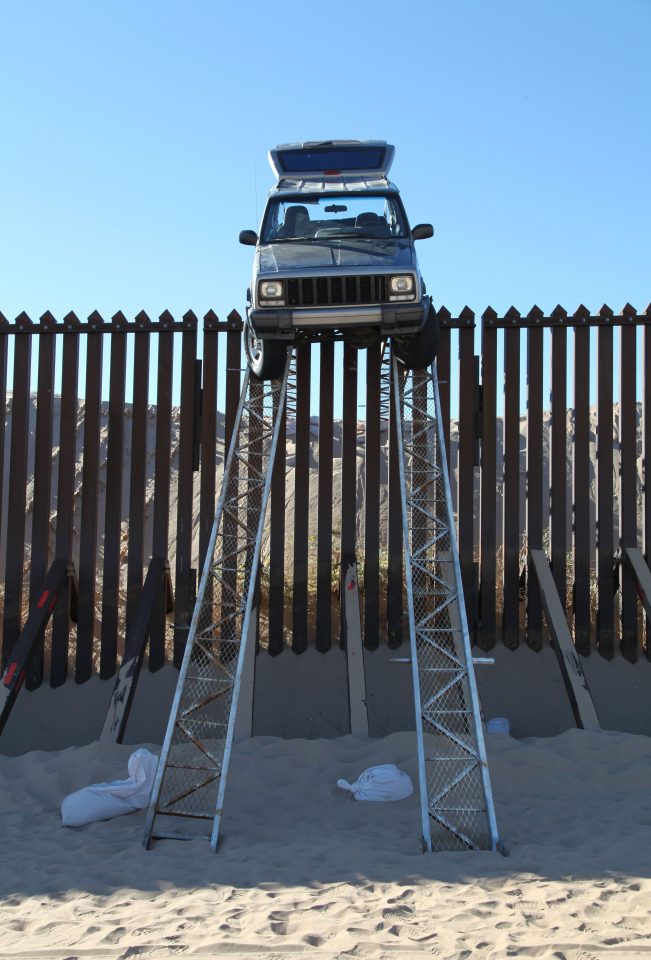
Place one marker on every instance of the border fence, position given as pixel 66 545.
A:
pixel 96 492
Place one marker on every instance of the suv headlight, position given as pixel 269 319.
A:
pixel 271 290
pixel 402 287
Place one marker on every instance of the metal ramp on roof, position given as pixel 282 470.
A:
pixel 456 802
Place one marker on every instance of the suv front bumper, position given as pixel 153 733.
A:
pixel 389 318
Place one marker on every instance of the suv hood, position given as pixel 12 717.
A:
pixel 321 255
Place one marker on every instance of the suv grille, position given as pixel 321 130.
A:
pixel 333 291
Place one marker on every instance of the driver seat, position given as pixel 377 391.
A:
pixel 297 221
pixel 372 224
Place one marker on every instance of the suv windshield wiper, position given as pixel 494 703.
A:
pixel 363 236
pixel 293 240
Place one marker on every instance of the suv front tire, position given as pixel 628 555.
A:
pixel 418 350
pixel 265 357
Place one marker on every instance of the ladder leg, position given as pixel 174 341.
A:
pixel 191 777
pixel 456 797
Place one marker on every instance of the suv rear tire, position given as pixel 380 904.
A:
pixel 418 350
pixel 265 357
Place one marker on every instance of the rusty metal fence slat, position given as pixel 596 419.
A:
pixel 184 587
pixel 138 467
pixel 394 532
pixel 40 538
pixel 160 541
pixel 324 509
pixel 113 504
pixel 605 541
pixel 348 518
pixel 511 495
pixel 627 482
pixel 559 459
pixel 89 502
pixel 488 483
pixel 65 494
pixel 372 481
pixel 534 490
pixel 16 493
pixel 301 499
pixel 467 426
pixel 581 483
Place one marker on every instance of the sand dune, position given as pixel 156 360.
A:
pixel 305 869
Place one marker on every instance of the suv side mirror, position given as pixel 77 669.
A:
pixel 422 231
pixel 248 237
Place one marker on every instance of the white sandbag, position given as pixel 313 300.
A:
pixel 381 783
pixel 102 801
pixel 498 725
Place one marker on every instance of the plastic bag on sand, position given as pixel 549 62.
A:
pixel 102 801
pixel 385 782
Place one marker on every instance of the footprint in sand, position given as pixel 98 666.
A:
pixel 313 940
pixel 402 915
pixel 422 932
pixel 114 936
pixel 415 929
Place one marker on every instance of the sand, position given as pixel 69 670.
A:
pixel 303 868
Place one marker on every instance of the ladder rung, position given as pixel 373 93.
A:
pixel 167 835
pixel 182 813
pixel 443 670
pixel 181 766
pixel 445 759
pixel 460 713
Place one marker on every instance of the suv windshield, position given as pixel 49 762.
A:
pixel 367 216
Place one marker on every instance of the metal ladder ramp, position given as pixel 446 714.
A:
pixel 456 799
pixel 188 791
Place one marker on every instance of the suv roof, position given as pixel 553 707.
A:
pixel 321 159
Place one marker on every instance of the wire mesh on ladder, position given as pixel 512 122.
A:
pixel 188 791
pixel 456 799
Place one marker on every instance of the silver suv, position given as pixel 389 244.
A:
pixel 336 256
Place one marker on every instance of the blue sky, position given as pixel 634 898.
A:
pixel 133 134
pixel 133 141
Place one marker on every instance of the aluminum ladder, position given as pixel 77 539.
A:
pixel 455 792
pixel 188 792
